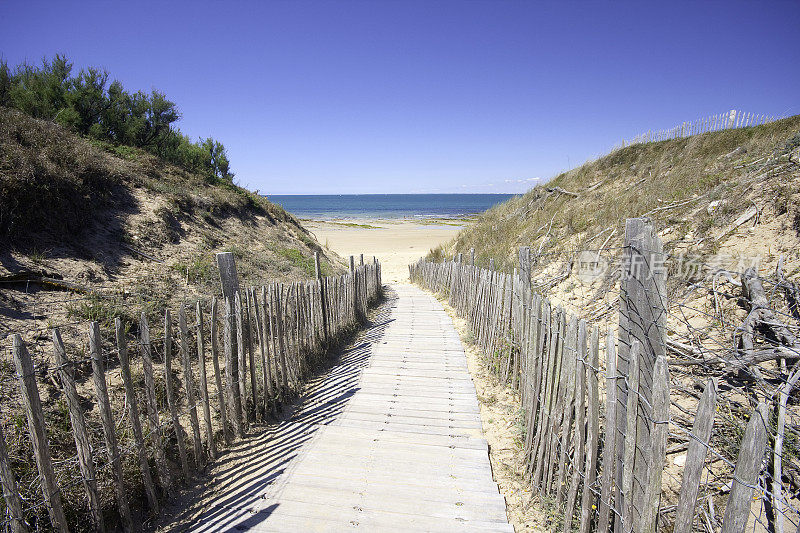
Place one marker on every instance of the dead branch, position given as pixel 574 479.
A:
pixel 760 314
pixel 139 252
pixel 49 281
pixel 562 191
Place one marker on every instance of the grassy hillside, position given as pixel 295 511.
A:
pixel 694 189
pixel 733 167
pixel 121 223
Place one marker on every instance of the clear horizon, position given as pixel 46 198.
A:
pixel 356 97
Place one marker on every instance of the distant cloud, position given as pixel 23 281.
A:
pixel 523 180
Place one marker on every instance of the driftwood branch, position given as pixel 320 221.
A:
pixel 562 191
pixel 49 281
pixel 139 252
pixel 761 316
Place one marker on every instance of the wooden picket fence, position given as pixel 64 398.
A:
pixel 601 464
pixel 271 336
pixel 722 121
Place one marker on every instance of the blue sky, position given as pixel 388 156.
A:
pixel 430 96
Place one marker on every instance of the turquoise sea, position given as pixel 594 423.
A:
pixel 394 206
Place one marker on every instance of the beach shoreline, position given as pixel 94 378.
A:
pixel 395 242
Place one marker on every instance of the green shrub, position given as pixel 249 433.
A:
pixel 88 105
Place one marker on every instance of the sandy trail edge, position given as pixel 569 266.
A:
pixel 502 420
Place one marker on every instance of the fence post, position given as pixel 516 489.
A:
pixel 247 304
pixel 241 347
pixel 580 450
pixel 173 408
pixel 320 281
pixel 642 318
pixel 695 457
pixel 630 440
pixel 593 425
pixel 10 491
pixel 610 441
pixel 136 423
pixel 658 446
pixel 109 429
pixel 188 382
pixel 745 475
pixel 221 391
pixel 266 349
pixel 525 265
pixel 229 280
pixel 82 445
pixel 152 407
pixel 36 428
pixel 201 361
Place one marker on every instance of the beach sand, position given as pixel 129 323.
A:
pixel 396 243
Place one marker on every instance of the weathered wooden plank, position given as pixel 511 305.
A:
pixel 16 520
pixel 232 370
pixel 655 455
pixel 631 416
pixel 572 352
pixel 145 349
pixel 109 429
pixel 561 376
pixel 36 427
pixel 695 458
pixel 280 334
pixel 222 392
pixel 188 384
pixel 259 329
pixel 610 440
pixel 248 320
pixel 78 421
pixel 542 435
pixel 136 423
pixel 745 475
pixel 643 314
pixel 323 303
pixel 593 430
pixel 579 451
pixel 171 401
pixel 201 363
pixel 242 358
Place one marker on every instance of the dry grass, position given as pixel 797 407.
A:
pixel 643 179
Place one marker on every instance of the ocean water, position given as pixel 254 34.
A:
pixel 387 206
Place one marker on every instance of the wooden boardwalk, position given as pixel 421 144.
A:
pixel 387 440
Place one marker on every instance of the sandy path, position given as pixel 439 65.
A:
pixel 396 244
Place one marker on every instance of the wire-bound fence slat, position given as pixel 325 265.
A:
pixel 109 429
pixel 172 402
pixel 188 384
pixel 79 433
pixel 36 427
pixel 136 424
pixel 745 475
pixel 10 491
pixel 201 364
pixel 695 458
pixel 145 349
